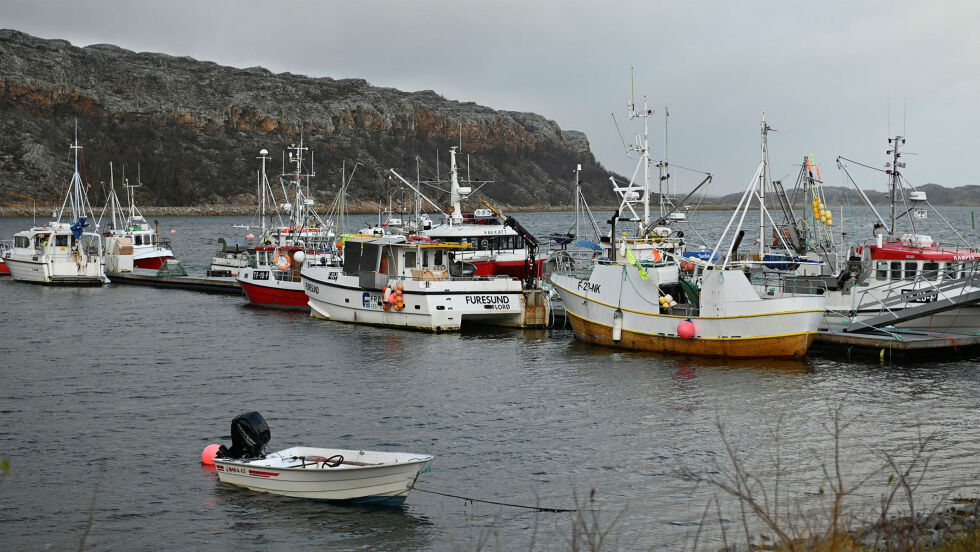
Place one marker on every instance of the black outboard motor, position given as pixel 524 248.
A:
pixel 249 435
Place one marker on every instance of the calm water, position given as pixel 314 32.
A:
pixel 112 393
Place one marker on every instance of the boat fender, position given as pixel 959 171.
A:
pixel 617 327
pixel 281 260
pixel 387 294
pixel 208 454
pixel 686 329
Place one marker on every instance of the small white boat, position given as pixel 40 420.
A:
pixel 357 476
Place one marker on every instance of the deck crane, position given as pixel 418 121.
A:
pixel 531 244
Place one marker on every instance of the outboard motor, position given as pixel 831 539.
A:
pixel 249 435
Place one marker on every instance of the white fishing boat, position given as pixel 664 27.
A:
pixel 60 253
pixel 707 309
pixel 495 249
pixel 148 250
pixel 356 476
pixel 415 283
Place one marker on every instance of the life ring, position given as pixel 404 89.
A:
pixel 281 260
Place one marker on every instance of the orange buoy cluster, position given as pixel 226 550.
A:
pixel 821 214
pixel 393 297
pixel 687 266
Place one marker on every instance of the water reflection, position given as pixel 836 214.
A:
pixel 293 521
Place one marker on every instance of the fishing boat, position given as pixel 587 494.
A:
pixel 272 277
pixel 897 270
pixel 495 249
pixel 61 253
pixel 354 476
pixel 148 250
pixel 695 306
pixel 413 283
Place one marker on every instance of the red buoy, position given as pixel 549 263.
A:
pixel 208 454
pixel 686 329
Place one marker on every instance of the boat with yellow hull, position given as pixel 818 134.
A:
pixel 722 315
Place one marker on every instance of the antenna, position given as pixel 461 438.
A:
pixel 632 98
pixel 621 139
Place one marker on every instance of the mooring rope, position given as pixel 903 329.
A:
pixel 537 508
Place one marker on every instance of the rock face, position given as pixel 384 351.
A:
pixel 195 129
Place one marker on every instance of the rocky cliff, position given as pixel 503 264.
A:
pixel 195 127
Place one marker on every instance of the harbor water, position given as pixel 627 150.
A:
pixel 109 394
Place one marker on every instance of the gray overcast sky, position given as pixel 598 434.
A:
pixel 826 72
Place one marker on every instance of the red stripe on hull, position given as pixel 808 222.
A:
pixel 152 263
pixel 4 269
pixel 275 297
pixel 514 269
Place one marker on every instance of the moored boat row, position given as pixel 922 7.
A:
pixel 640 286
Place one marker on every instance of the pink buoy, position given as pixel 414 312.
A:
pixel 173 231
pixel 250 236
pixel 208 454
pixel 686 329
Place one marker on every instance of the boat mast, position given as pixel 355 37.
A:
pixel 263 184
pixel 74 197
pixel 298 212
pixel 455 195
pixel 762 186
pixel 578 190
pixel 892 170
pixel 644 151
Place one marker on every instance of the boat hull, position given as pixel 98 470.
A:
pixel 154 262
pixel 275 294
pixel 514 269
pixel 783 346
pixel 616 308
pixel 429 305
pixel 4 269
pixel 54 274
pixel 386 483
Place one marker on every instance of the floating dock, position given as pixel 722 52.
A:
pixel 210 284
pixel 894 343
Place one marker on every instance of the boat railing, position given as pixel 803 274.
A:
pixel 772 283
pixel 286 275
pixel 921 289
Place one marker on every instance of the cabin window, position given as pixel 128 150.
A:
pixel 21 241
pixel 425 259
pixel 911 269
pixel 61 241
pixel 137 240
pixel 952 271
pixel 387 263
pixel 485 244
pixel 930 271
pixel 438 259
pixel 896 270
pixel 881 272
pixel 410 259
